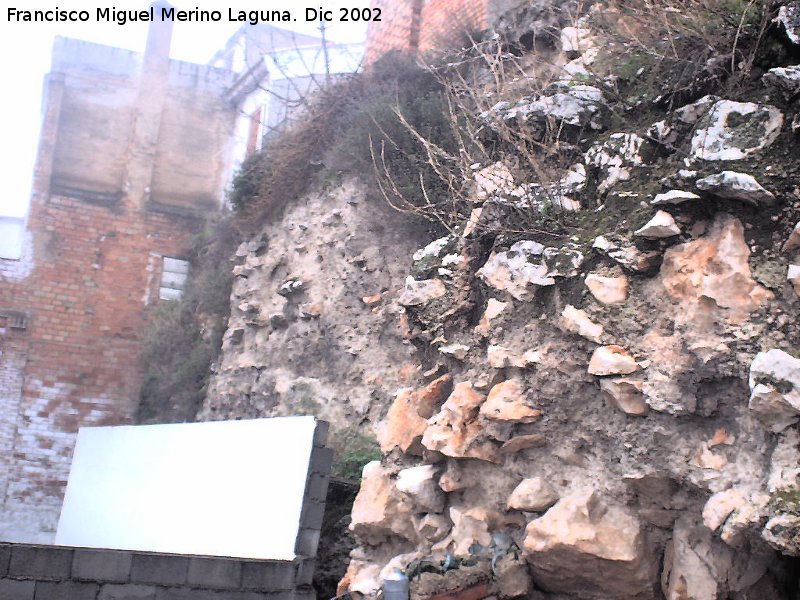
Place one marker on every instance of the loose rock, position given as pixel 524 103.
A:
pixel 731 185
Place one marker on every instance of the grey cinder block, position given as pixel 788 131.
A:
pixel 101 565
pixel 13 589
pixel 129 591
pixel 159 569
pixel 65 590
pixel 270 576
pixel 215 573
pixel 38 562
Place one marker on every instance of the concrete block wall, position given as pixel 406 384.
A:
pixel 29 572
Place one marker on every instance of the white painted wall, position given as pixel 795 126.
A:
pixel 224 488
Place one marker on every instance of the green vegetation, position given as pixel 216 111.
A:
pixel 352 450
pixel 184 336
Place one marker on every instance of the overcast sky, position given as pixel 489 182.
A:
pixel 25 59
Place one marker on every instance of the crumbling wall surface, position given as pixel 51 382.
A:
pixel 313 328
pixel 600 401
pixel 28 572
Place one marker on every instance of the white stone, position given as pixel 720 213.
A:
pixel 608 290
pixel 615 158
pixel 718 137
pixel 416 292
pixel 674 197
pixel 612 360
pixel 457 351
pixel 576 39
pixel 720 505
pixel 517 270
pixel 496 179
pixel 775 389
pixel 433 250
pixel 577 321
pixel 532 495
pixel 736 186
pixel 421 485
pixel 789 17
pixel 784 79
pixel 662 225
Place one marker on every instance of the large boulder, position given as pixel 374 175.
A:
pixel 713 272
pixel 587 545
pixel 379 509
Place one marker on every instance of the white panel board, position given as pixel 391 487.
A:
pixel 223 488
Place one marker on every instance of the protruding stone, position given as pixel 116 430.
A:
pixel 612 360
pixel 624 394
pixel 507 402
pixel 577 321
pixel 793 243
pixel 494 308
pixel 608 290
pixel 673 197
pixel 727 130
pixel 720 505
pixel 585 542
pixel 457 351
pixel 517 270
pixel 782 532
pixel 379 510
pixel 775 389
pixel 455 431
pixel 784 79
pixel 408 416
pixel 661 226
pixel 528 265
pixel 789 18
pixel 532 495
pixel 518 443
pixel 731 185
pixel 421 485
pixel 417 293
pixel 713 272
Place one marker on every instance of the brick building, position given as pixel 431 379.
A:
pixel 135 149
pixel 424 25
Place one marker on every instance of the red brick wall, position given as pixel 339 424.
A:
pixel 398 28
pixel 423 25
pixel 95 278
pixel 445 23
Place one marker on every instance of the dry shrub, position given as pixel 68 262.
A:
pixel 332 135
pixel 685 47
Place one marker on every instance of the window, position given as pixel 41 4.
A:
pixel 173 278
